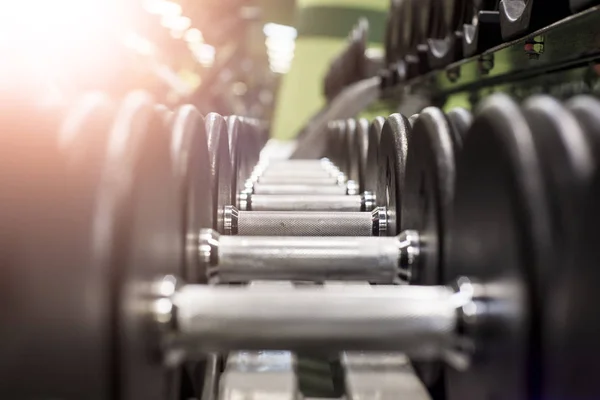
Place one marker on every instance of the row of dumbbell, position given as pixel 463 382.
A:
pixel 425 35
pixel 99 232
pixel 500 221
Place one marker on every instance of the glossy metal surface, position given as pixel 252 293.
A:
pixel 309 202
pixel 260 188
pixel 311 259
pixel 312 223
pixel 418 320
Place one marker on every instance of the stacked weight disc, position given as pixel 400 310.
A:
pixel 150 252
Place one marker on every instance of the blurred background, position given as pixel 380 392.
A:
pixel 264 59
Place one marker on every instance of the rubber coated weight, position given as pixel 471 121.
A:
pixel 252 145
pixel 361 147
pixel 426 203
pixel 189 152
pixel 460 121
pixel 372 170
pixel 500 235
pixel 54 276
pixel 352 155
pixel 392 34
pixel 574 320
pixel 409 22
pixel 579 313
pixel 220 166
pixel 393 146
pixel 579 5
pixel 429 190
pixel 140 213
pixel 518 17
pixel 335 143
pixel 240 167
pixel 481 30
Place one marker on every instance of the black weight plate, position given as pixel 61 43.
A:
pixel 392 33
pixel 460 120
pixel 574 318
pixel 499 234
pixel 426 202
pixel 138 220
pixel 252 146
pixel 191 165
pixel 372 166
pixel 455 14
pixel 336 143
pixel 429 190
pixel 55 340
pixel 351 154
pixel 361 146
pixel 220 166
pixel 393 146
pixel 409 26
pixel 235 144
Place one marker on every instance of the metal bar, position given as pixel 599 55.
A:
pixel 260 188
pixel 417 320
pixel 306 202
pixel 248 258
pixel 291 223
pixel 299 180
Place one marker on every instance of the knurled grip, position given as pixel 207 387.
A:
pixel 291 223
pixel 260 188
pixel 301 180
pixel 306 202
pixel 312 259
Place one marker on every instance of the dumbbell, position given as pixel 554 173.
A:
pixel 314 191
pixel 527 145
pixel 240 259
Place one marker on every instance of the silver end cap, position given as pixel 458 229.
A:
pixel 379 220
pixel 351 188
pixel 368 201
pixel 409 243
pixel 230 220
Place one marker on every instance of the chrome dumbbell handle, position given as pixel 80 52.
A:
pixel 301 223
pixel 421 321
pixel 349 188
pixel 306 202
pixel 239 259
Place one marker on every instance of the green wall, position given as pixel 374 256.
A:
pixel 323 26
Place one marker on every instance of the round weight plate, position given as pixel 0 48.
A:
pixel 500 235
pixel 138 221
pixel 573 320
pixel 57 327
pixel 252 143
pixel 220 166
pixel 372 166
pixel 460 121
pixel 352 156
pixel 189 152
pixel 409 26
pixel 392 33
pixel 393 145
pixel 429 190
pixel 336 144
pixel 426 201
pixel 361 147
pixel 235 144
